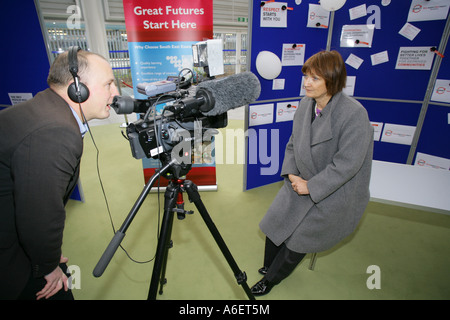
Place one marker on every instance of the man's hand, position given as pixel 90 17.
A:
pixel 56 280
pixel 299 185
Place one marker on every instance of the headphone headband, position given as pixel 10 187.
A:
pixel 73 60
pixel 77 91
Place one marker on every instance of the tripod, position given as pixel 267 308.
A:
pixel 173 203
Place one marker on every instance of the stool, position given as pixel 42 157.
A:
pixel 312 262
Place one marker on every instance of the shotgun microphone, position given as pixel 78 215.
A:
pixel 229 92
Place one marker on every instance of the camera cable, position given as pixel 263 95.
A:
pixel 104 193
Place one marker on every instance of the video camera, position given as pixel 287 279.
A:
pixel 187 117
pixel 173 133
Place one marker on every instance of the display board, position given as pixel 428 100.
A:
pixel 385 80
pixel 433 148
pixel 24 60
pixel 391 49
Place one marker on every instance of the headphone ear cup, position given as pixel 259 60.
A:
pixel 79 96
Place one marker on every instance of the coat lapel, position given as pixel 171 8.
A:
pixel 321 128
pixel 314 133
pixel 304 146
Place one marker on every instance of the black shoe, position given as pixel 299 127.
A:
pixel 262 287
pixel 263 270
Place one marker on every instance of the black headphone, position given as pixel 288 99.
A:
pixel 77 91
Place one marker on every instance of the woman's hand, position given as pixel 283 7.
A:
pixel 299 185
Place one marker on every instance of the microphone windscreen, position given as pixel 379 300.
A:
pixel 231 92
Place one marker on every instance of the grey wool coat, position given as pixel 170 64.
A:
pixel 334 154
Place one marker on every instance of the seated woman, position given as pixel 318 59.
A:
pixel 326 172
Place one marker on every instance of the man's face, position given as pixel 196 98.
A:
pixel 99 78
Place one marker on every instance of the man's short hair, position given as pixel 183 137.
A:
pixel 59 74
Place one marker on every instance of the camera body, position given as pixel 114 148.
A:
pixel 151 138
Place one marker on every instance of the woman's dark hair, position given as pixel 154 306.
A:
pixel 330 66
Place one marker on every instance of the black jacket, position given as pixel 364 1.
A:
pixel 40 152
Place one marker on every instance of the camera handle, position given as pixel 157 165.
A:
pixel 120 234
pixel 174 204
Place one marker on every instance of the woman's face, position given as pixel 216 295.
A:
pixel 315 86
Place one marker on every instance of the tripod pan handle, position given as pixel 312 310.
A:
pixel 108 254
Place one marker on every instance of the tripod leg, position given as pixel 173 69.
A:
pixel 169 244
pixel 170 197
pixel 194 196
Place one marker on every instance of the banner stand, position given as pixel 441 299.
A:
pixel 160 38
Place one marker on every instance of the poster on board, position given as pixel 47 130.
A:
pixel 273 14
pixel 441 91
pixel 358 36
pixel 426 10
pixel 415 58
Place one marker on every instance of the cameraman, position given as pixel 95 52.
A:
pixel 41 143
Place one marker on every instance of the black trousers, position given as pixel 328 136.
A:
pixel 34 285
pixel 280 261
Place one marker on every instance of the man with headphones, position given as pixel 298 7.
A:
pixel 41 143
